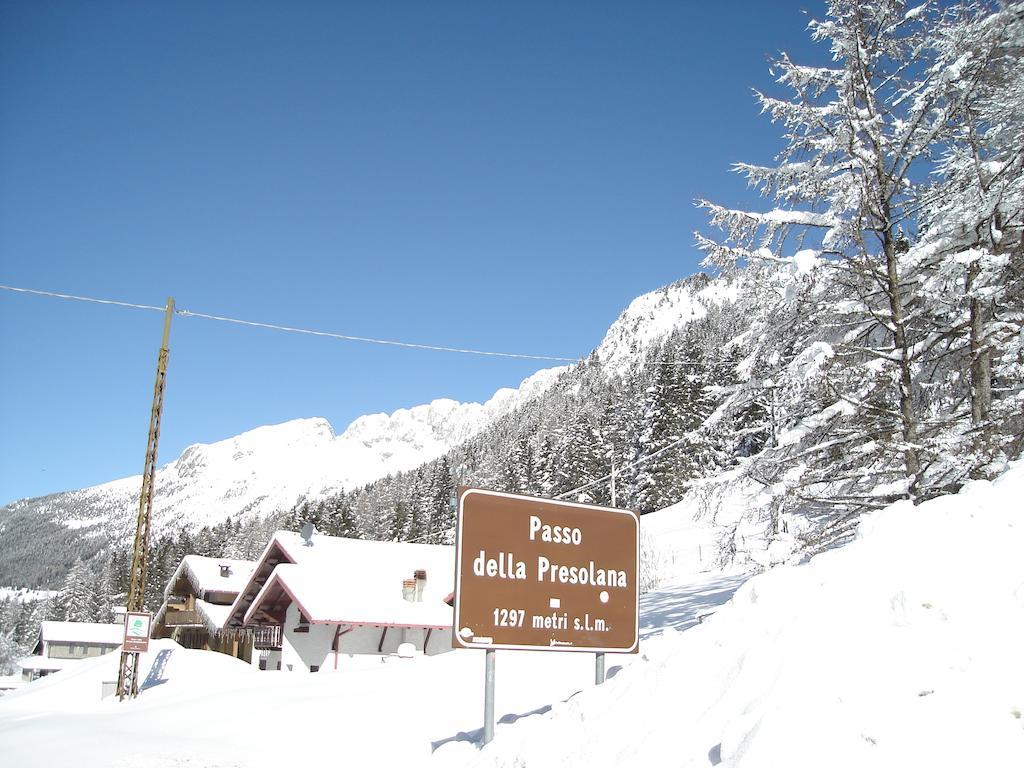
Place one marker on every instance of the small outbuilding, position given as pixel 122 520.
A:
pixel 61 644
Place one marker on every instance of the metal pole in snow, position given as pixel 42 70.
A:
pixel 599 657
pixel 489 697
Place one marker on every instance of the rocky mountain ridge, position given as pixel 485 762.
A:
pixel 269 468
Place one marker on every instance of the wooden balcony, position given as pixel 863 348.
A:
pixel 182 619
pixel 267 638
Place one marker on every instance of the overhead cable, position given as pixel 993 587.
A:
pixel 306 331
pixel 387 342
pixel 81 298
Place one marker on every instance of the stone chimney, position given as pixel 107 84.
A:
pixel 409 589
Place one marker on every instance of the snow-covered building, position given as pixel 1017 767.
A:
pixel 310 601
pixel 61 644
pixel 196 603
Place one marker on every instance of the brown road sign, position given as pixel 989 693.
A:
pixel 136 632
pixel 536 574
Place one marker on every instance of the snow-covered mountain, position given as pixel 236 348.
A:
pixel 270 468
pixel 651 317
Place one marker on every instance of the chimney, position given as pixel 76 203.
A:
pixel 225 570
pixel 421 584
pixel 409 589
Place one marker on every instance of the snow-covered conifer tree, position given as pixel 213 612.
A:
pixel 861 133
pixel 77 593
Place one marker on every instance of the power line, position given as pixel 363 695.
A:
pixel 305 331
pixel 80 298
pixel 368 340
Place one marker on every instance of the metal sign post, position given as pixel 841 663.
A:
pixel 541 574
pixel 599 657
pixel 488 696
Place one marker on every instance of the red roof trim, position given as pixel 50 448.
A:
pixel 274 543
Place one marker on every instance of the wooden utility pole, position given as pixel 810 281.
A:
pixel 128 677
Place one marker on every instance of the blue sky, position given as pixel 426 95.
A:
pixel 498 176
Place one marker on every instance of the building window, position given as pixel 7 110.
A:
pixel 314 667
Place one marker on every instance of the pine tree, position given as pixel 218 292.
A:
pixel 847 184
pixel 442 499
pixel 101 609
pixel 399 521
pixel 246 542
pixel 77 593
pixel 10 651
pixel 546 471
pixel 118 568
pixel 340 519
pixel 974 219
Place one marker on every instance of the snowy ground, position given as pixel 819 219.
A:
pixel 902 648
pixel 199 709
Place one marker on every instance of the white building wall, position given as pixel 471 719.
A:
pixel 301 650
pixel 440 642
pixel 273 659
pixel 365 640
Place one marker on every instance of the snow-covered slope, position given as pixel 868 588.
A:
pixel 901 649
pixel 272 467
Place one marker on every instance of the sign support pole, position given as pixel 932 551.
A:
pixel 489 697
pixel 599 657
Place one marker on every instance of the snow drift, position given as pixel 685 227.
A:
pixel 902 648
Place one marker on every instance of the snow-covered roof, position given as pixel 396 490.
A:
pixel 204 574
pixel 351 581
pixel 326 550
pixel 88 633
pixel 46 664
pixel 213 616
